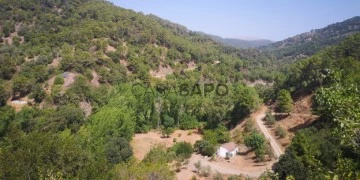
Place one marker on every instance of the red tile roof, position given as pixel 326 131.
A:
pixel 230 146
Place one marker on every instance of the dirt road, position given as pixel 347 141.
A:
pixel 225 167
pixel 258 117
pixel 238 164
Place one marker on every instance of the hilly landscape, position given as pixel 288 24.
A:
pixel 90 90
pixel 239 43
pixel 307 44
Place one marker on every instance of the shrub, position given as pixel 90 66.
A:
pixel 188 122
pixel 4 95
pixel 219 135
pixel 205 171
pixel 234 177
pixel 204 147
pixel 249 125
pixel 167 131
pixel 158 154
pixel 118 150
pixel 270 119
pixel 284 101
pixel 280 132
pixel 260 154
pixel 21 85
pixel 182 149
pixel 38 93
pixel 218 176
pixel 255 141
pixel 59 80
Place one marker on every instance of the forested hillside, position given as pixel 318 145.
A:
pixel 239 43
pixel 69 75
pixel 329 149
pixel 307 44
pixel 79 78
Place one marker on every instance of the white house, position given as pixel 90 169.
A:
pixel 227 150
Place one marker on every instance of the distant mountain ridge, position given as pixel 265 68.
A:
pixel 239 43
pixel 308 43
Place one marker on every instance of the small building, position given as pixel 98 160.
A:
pixel 227 150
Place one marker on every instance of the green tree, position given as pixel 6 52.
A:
pixel 219 135
pixel 38 93
pixel 143 170
pixel 21 85
pixel 255 141
pixel 7 114
pixel 285 102
pixel 112 122
pixel 247 100
pixel 4 95
pixel 59 80
pixel 204 148
pixel 182 149
pixel 44 155
pixel 117 150
pixel 66 117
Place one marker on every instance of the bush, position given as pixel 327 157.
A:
pixel 249 125
pixel 234 177
pixel 7 114
pixel 205 171
pixel 158 154
pixel 255 141
pixel 204 148
pixel 188 122
pixel 38 93
pixel 280 132
pixel 118 150
pixel 166 132
pixel 59 80
pixel 218 176
pixel 284 101
pixel 219 135
pixel 182 149
pixel 21 85
pixel 260 154
pixel 270 119
pixel 4 95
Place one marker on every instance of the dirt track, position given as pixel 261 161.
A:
pixel 244 165
pixel 258 117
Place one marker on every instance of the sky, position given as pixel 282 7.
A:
pixel 248 19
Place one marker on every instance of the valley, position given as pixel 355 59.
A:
pixel 75 102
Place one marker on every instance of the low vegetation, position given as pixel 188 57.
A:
pixel 82 67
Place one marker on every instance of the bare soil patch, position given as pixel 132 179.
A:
pixel 69 80
pixel 190 66
pixel 95 79
pixel 143 143
pixel 257 82
pixel 162 72
pixel 238 165
pixel 18 104
pixel 86 107
pixel 55 63
pixel 300 117
pixel 110 49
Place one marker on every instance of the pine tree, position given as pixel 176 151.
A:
pixel 285 102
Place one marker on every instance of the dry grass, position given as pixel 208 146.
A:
pixel 142 143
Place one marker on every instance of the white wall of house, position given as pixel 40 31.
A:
pixel 222 152
pixel 234 151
